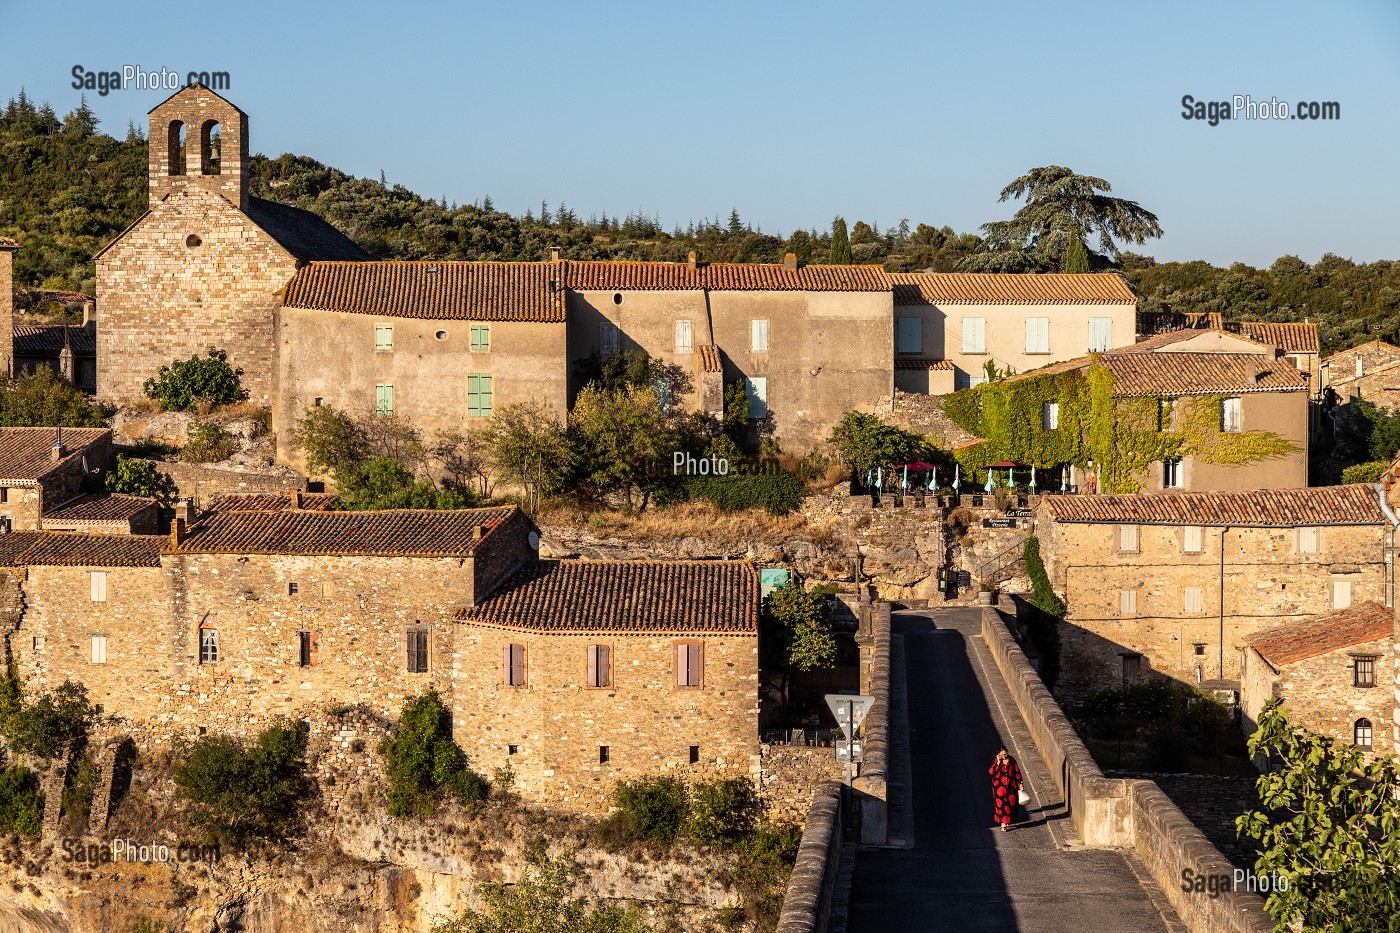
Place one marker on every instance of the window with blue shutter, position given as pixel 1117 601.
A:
pixel 757 390
pixel 383 400
pixel 479 395
pixel 1037 335
pixel 911 335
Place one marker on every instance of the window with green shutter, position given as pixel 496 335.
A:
pixel 383 400
pixel 481 336
pixel 479 395
pixel 384 336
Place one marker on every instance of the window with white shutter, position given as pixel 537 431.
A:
pixel 99 586
pixel 513 665
pixel 99 649
pixel 1341 593
pixel 1050 415
pixel 688 664
pixel 1308 540
pixel 1191 599
pixel 682 336
pixel 1037 335
pixel 1100 334
pixel 1127 602
pixel 758 342
pixel 1230 415
pixel 1128 539
pixel 599 666
pixel 974 335
pixel 1192 538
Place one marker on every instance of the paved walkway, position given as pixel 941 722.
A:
pixel 962 874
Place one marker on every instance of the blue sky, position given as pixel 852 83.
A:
pixel 792 112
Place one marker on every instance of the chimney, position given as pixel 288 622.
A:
pixel 790 262
pixel 690 260
pixel 294 499
pixel 177 532
pixel 182 510
pixel 554 254
pixel 89 313
pixel 476 532
pixel 59 450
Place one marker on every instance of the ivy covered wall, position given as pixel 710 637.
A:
pixel 1121 435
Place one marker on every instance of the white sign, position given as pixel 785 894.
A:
pixel 849 710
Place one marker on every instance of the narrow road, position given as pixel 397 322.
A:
pixel 962 875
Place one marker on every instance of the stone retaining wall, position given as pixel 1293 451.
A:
pixel 871 786
pixel 1122 813
pixel 790 774
pixel 807 903
pixel 197 479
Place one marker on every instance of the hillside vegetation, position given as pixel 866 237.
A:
pixel 66 189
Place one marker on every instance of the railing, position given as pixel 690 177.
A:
pixel 802 738
pixel 1000 566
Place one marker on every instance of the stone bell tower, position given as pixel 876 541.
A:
pixel 198 140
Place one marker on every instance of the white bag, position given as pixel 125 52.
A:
pixel 1022 797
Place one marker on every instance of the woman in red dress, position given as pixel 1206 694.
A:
pixel 1006 785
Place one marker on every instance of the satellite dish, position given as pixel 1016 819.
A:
pixel 534 540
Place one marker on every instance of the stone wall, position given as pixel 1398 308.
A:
pixel 203 481
pixel 791 774
pixel 1267 582
pixel 807 904
pixel 7 310
pixel 923 414
pixel 1122 813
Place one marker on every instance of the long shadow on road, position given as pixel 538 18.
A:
pixel 962 874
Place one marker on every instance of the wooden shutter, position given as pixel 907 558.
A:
pixel 974 335
pixel 1192 538
pixel 688 664
pixel 599 666
pixel 759 342
pixel 411 658
pixel 682 336
pixel 1037 335
pixel 513 664
pixel 383 399
pixel 99 586
pixel 592 665
pixel 99 649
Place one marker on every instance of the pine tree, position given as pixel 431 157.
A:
pixel 1076 257
pixel 736 226
pixel 840 242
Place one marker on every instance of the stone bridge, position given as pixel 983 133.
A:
pixel 1091 854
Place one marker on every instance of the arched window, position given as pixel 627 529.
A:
pixel 175 147
pixel 210 138
pixel 1362 733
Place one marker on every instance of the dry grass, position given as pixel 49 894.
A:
pixel 239 411
pixel 688 519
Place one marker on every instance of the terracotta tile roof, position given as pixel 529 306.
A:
pixel 44 340
pixel 24 452
pixel 1290 337
pixel 625 597
pixel 710 361
pixel 1137 373
pixel 462 291
pixel 923 364
pixel 15 543
pixel 391 533
pixel 273 502
pixel 1180 335
pixel 7 243
pixel 305 235
pixel 1346 628
pixel 723 276
pixel 1355 504
pixel 65 549
pixel 1005 288
pixel 100 508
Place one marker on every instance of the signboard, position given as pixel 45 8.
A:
pixel 770 578
pixel 849 710
pixel 964 579
pixel 1000 522
pixel 1020 513
pixel 848 751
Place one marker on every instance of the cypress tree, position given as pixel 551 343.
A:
pixel 840 242
pixel 1076 257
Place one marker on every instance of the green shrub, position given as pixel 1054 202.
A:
pixel 184 383
pixel 41 400
pixel 384 483
pixel 207 443
pixel 1046 611
pixel 1365 472
pixel 775 491
pixel 21 803
pixel 136 477
pixel 654 809
pixel 79 789
pixel 723 811
pixel 423 761
pixel 244 793
pixel 52 721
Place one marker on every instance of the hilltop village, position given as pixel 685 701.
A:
pixel 1159 463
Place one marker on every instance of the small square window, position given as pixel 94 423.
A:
pixel 695 754
pixel 293 588
pixel 512 749
pixel 1200 647
pixel 38 643
pixel 1363 672
pixel 604 754
pixel 208 646
pixel 384 336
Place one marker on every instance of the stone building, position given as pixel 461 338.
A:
pixel 1333 673
pixel 1011 320
pixel 42 471
pixel 1176 583
pixel 574 673
pixel 1370 371
pixel 204 265
pixel 1299 341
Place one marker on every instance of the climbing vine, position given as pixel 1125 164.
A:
pixel 1120 436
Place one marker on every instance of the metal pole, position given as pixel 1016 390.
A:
pixel 850 739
